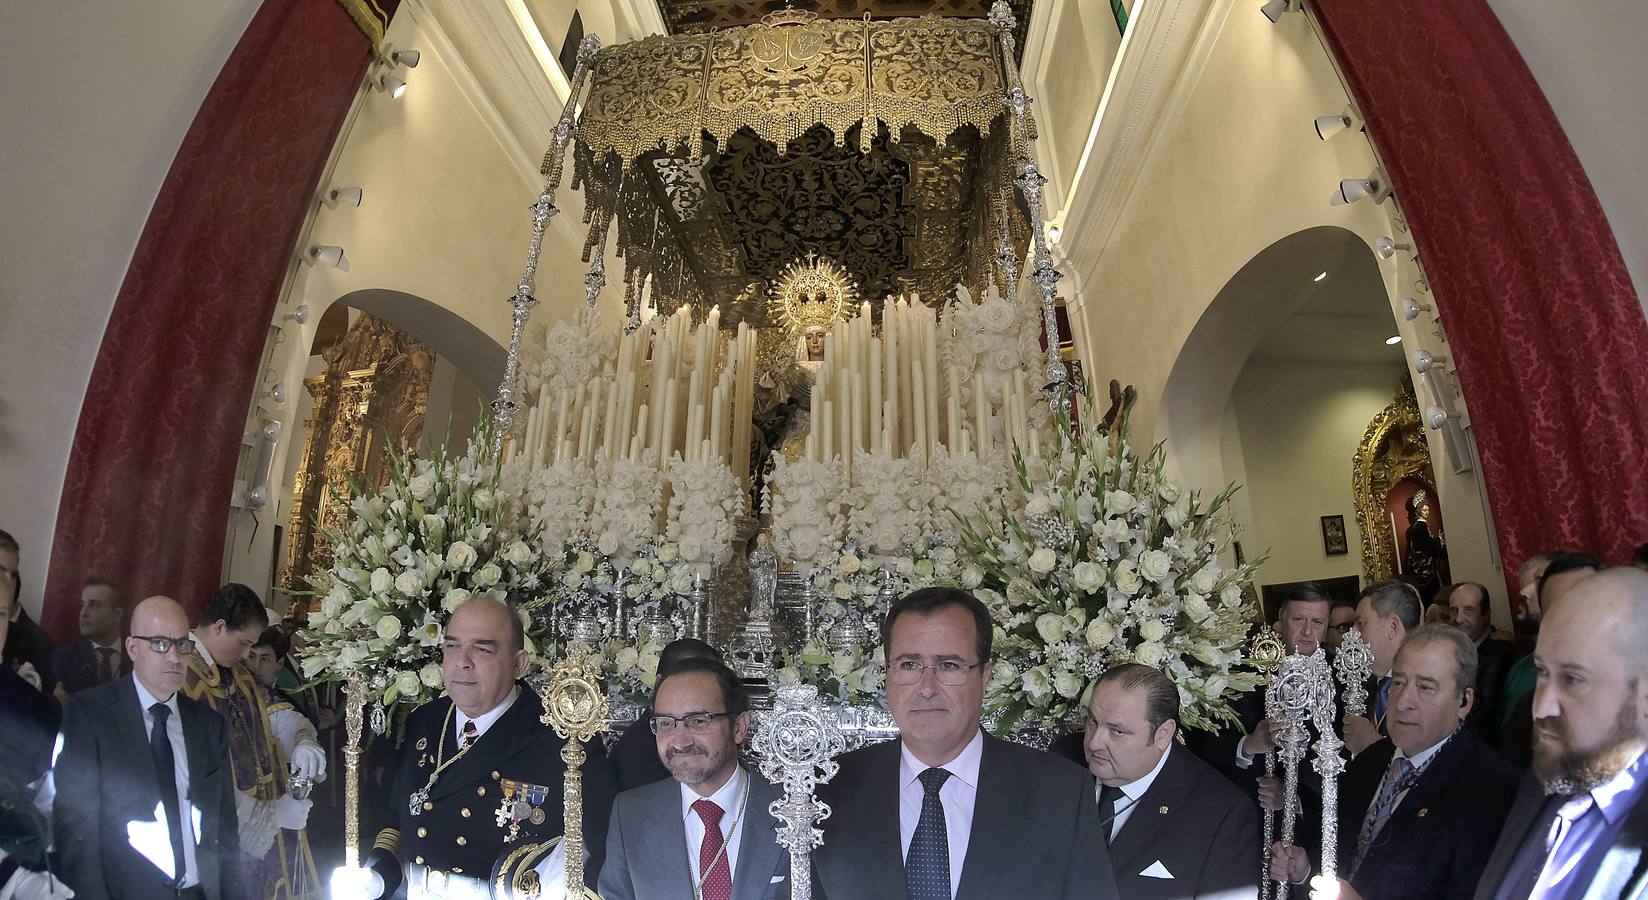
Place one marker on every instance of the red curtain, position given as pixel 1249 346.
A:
pixel 151 471
pixel 1548 337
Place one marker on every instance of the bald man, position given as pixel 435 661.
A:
pixel 145 805
pixel 1580 827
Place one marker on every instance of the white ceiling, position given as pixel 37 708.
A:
pixel 1344 318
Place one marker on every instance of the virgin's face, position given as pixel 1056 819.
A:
pixel 815 345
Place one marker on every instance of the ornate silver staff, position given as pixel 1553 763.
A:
pixel 1353 664
pixel 1266 652
pixel 1291 698
pixel 1329 764
pixel 797 743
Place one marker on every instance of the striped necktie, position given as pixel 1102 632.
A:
pixel 1401 776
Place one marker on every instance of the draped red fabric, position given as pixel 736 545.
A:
pixel 1547 334
pixel 146 498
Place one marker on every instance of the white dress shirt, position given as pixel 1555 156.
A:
pixel 484 720
pixel 1131 792
pixel 1419 761
pixel 180 764
pixel 731 799
pixel 959 794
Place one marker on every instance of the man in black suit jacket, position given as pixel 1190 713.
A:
pixel 28 648
pixel 1419 813
pixel 947 812
pixel 1177 828
pixel 1470 612
pixel 1590 753
pixel 97 657
pixel 138 760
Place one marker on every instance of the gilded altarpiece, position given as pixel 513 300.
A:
pixel 375 391
pixel 1392 449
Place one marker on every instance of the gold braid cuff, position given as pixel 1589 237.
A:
pixel 389 839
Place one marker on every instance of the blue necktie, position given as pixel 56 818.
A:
pixel 1381 703
pixel 1401 777
pixel 160 746
pixel 927 867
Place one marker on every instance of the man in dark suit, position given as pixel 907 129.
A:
pixel 28 649
pixel 479 773
pixel 635 757
pixel 946 812
pixel 145 805
pixel 1470 612
pixel 1385 612
pixel 707 831
pixel 28 728
pixel 1418 813
pixel 97 657
pixel 1579 828
pixel 1177 829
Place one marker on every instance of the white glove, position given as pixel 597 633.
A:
pixel 26 885
pixel 292 814
pixel 356 882
pixel 27 672
pixel 309 761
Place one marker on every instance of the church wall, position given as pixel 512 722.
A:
pixel 96 98
pixel 1297 425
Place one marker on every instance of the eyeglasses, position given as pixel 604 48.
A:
pixel 164 645
pixel 948 671
pixel 696 723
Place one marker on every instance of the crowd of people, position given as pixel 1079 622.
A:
pixel 176 758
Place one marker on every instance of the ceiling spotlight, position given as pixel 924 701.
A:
pixel 1393 340
pixel 1274 10
pixel 1351 190
pixel 299 315
pixel 1423 361
pixel 407 58
pixel 1329 126
pixel 1386 247
pixel 1320 276
pixel 278 393
pixel 328 254
pixel 388 83
pixel 344 196
pixel 1437 417
pixel 1411 308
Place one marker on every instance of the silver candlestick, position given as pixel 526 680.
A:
pixel 797 743
pixel 1354 666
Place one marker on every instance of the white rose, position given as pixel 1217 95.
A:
pixel 518 553
pixel 841 663
pixel 787 676
pixel 1195 606
pixel 1152 629
pixel 628 658
pixel 1149 654
pixel 666 553
pixel 389 627
pixel 1050 626
pixel 584 563
pixel 971 577
pixel 460 556
pixel 1117 530
pixel 906 566
pixel 1155 565
pixel 924 568
pixel 607 543
pixel 1231 595
pixel 1035 683
pixel 1068 684
pixel 1075 620
pixel 1043 560
pixel 408 684
pixel 692 549
pixel 1087 577
pixel 681 583
pixel 1004 673
pixel 382 581
pixel 1119 503
pixel 409 584
pixel 850 564
pixel 843 591
pixel 1100 633
pixel 488 576
pixel 431 676
pixel 454 599
pixel 1127 578
pixel 1174 516
pixel 1038 506
pixel 421 486
pixel 1202 582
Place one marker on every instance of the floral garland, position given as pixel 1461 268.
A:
pixel 408 556
pixel 1108 562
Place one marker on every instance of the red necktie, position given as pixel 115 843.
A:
pixel 105 665
pixel 469 735
pixel 712 862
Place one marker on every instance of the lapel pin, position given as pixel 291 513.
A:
pixel 1162 811
pixel 423 743
pixel 1424 812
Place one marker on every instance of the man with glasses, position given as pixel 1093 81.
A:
pixel 946 811
pixel 706 832
pixel 145 806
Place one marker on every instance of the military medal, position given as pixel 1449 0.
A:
pixel 521 803
pixel 537 817
pixel 419 798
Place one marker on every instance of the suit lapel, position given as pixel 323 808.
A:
pixel 513 731
pixel 994 823
pixel 759 854
pixel 194 747
pixel 1146 820
pixel 128 718
pixel 1624 870
pixel 875 816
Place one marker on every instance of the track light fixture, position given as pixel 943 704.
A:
pixel 1327 127
pixel 1274 10
pixel 344 196
pixel 1411 308
pixel 391 85
pixel 1376 186
pixel 407 58
pixel 1386 247
pixel 299 315
pixel 1437 417
pixel 1423 361
pixel 327 254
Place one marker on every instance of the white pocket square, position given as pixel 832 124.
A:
pixel 1156 870
pixel 776 879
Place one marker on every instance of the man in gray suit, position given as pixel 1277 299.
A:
pixel 1177 828
pixel 705 832
pixel 947 812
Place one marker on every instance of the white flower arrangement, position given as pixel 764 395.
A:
pixel 409 555
pixel 631 668
pixel 706 502
pixel 851 676
pixel 565 354
pixel 627 502
pixel 887 502
pixel 804 501
pixel 1107 561
pixel 989 339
